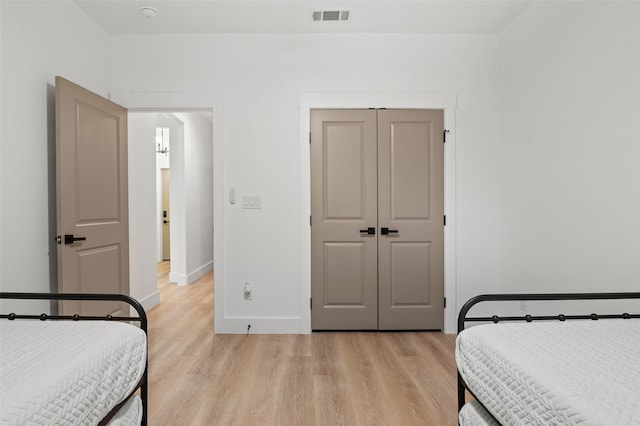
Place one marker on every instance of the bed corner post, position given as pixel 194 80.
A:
pixel 461 398
pixel 145 398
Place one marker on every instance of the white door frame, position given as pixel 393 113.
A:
pixel 186 101
pixel 425 100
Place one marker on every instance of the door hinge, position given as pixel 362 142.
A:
pixel 309 138
pixel 310 223
pixel 445 220
pixel 444 136
pixel 310 303
pixel 445 302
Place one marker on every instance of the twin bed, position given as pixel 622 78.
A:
pixel 549 370
pixel 529 370
pixel 73 370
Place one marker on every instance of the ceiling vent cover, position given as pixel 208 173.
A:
pixel 331 15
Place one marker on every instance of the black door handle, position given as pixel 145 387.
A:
pixel 165 221
pixel 369 231
pixel 70 239
pixel 387 231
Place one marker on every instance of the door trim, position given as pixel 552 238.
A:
pixel 446 101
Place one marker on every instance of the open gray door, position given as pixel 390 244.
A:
pixel 92 198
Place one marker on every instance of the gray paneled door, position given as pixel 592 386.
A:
pixel 377 204
pixel 92 198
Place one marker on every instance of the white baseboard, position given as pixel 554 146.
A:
pixel 200 272
pixel 259 325
pixel 190 278
pixel 179 279
pixel 150 301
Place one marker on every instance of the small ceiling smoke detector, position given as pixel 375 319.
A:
pixel 330 15
pixel 148 12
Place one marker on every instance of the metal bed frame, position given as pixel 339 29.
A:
pixel 463 318
pixel 141 318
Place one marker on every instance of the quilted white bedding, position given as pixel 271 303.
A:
pixel 472 414
pixel 130 413
pixel 555 373
pixel 67 373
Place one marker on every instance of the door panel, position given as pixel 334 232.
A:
pixel 343 202
pixel 408 157
pixel 343 172
pixel 410 276
pixel 97 165
pixel 91 172
pixel 344 274
pixel 411 202
pixel 99 269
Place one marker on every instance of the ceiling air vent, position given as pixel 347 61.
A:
pixel 331 15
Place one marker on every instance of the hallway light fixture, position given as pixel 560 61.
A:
pixel 162 140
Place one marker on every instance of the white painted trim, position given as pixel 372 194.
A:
pixel 179 279
pixel 150 301
pixel 176 101
pixel 263 325
pixel 198 273
pixel 415 100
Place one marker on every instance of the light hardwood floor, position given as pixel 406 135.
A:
pixel 197 377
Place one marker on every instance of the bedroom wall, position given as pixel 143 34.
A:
pixel 39 41
pixel 198 178
pixel 570 149
pixel 142 209
pixel 261 77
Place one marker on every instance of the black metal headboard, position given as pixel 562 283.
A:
pixel 142 316
pixel 463 318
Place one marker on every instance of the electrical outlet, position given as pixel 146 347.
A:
pixel 248 291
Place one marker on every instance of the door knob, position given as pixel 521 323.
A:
pixel 387 231
pixel 165 221
pixel 369 231
pixel 70 239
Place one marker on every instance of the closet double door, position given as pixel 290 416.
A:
pixel 377 231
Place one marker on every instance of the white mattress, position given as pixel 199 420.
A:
pixel 555 373
pixel 67 373
pixel 129 415
pixel 472 414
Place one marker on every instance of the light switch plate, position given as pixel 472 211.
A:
pixel 251 202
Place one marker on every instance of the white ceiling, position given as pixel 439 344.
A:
pixel 294 16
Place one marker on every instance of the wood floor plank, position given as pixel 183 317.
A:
pixel 326 378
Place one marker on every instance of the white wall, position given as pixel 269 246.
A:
pixel 569 156
pixel 262 77
pixel 142 209
pixel 39 41
pixel 198 185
